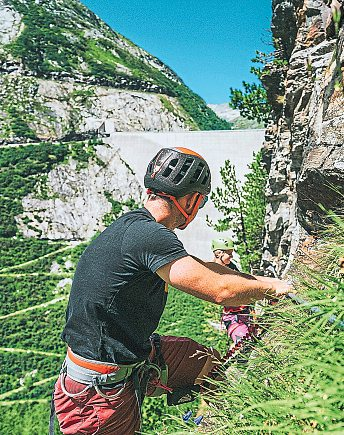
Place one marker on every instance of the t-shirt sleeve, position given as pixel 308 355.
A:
pixel 151 246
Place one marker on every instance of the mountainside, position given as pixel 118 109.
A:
pixel 304 145
pixel 238 122
pixel 64 72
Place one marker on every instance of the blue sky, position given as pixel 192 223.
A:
pixel 208 43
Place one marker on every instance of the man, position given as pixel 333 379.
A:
pixel 119 293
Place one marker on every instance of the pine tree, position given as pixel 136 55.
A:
pixel 243 209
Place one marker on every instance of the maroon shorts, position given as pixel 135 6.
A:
pixel 90 413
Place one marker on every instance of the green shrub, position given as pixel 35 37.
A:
pixel 25 419
pixel 17 251
pixel 26 291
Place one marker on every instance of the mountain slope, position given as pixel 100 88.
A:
pixel 64 71
pixel 238 122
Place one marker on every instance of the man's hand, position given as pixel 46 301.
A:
pixel 282 287
pixel 279 287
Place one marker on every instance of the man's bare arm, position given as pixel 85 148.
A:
pixel 218 284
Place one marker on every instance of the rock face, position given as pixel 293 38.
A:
pixel 10 21
pixel 65 73
pixel 63 110
pixel 74 202
pixel 304 145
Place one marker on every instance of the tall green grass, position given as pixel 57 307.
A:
pixel 293 381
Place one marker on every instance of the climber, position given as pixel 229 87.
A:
pixel 223 249
pixel 238 320
pixel 118 295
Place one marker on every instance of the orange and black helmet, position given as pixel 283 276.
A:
pixel 177 172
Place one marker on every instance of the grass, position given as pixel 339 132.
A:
pixel 292 384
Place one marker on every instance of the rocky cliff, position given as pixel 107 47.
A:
pixel 65 191
pixel 64 73
pixel 304 144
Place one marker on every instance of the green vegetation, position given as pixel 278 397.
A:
pixel 168 105
pixel 252 101
pixel 55 42
pixel 18 100
pixel 44 45
pixel 243 208
pixel 22 167
pixel 18 250
pixel 83 152
pixel 26 291
pixel 293 383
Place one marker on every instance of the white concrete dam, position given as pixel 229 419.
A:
pixel 137 148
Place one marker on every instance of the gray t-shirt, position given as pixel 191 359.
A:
pixel 117 298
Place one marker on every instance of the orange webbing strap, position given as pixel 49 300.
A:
pixel 188 217
pixel 92 365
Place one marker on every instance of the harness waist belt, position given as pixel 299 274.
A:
pixel 93 372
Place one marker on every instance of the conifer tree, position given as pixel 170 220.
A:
pixel 243 209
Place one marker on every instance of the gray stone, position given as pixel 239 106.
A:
pixel 10 23
pixel 77 202
pixel 305 144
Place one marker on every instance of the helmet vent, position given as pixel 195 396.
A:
pixel 197 173
pixel 206 178
pixel 184 169
pixel 170 167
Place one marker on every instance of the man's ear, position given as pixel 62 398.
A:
pixel 191 200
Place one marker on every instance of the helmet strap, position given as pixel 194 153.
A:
pixel 188 217
pixel 193 213
pixel 222 260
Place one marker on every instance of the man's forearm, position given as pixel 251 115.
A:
pixel 242 290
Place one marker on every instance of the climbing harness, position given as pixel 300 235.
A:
pixel 97 374
pixel 93 374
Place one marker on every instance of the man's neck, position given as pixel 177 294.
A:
pixel 162 213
